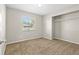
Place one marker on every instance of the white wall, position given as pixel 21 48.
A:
pixel 2 26
pixel 68 26
pixel 3 16
pixel 47 27
pixel 14 26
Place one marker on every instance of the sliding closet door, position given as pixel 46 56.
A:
pixel 57 27
pixel 66 27
pixel 70 29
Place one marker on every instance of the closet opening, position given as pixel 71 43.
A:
pixel 56 26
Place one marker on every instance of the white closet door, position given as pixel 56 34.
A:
pixel 57 29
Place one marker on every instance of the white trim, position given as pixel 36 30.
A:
pixel 23 40
pixel 68 41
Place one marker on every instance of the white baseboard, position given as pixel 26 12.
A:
pixel 41 37
pixel 22 40
pixel 68 41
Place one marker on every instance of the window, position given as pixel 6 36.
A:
pixel 27 22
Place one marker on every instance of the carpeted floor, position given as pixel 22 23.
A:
pixel 42 46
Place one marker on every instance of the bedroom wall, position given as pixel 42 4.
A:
pixel 48 21
pixel 3 17
pixel 3 27
pixel 47 27
pixel 69 28
pixel 15 30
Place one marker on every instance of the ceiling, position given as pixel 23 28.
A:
pixel 42 9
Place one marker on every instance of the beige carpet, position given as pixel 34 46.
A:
pixel 42 47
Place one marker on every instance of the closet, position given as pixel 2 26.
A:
pixel 66 27
pixel 57 26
